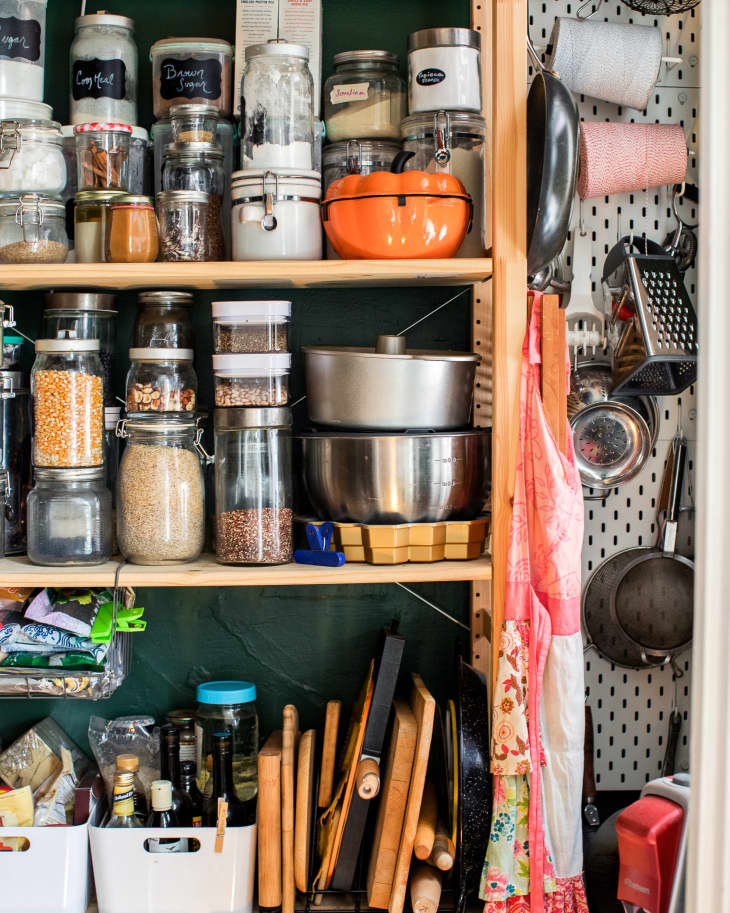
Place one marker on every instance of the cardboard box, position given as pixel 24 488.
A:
pixel 298 21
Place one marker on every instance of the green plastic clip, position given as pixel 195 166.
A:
pixel 128 621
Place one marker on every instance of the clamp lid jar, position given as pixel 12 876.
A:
pixel 32 229
pixel 31 157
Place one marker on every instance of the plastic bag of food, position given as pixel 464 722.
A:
pixel 136 735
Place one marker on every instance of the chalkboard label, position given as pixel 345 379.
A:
pixel 20 38
pixel 430 77
pixel 186 77
pixel 98 78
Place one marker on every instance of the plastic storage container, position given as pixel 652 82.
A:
pixel 444 70
pixel 253 486
pixel 184 225
pixel 251 326
pixel 68 403
pixel 69 517
pixel 103 70
pixel 365 97
pixel 185 70
pixel 160 491
pixel 252 380
pixel 91 224
pixel 102 156
pixel 14 455
pixel 228 706
pixel 32 229
pixel 31 158
pixel 194 123
pixel 161 380
pixel 131 235
pixel 199 166
pixel 23 48
pixel 163 320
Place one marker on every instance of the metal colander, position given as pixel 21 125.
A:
pixel 661 7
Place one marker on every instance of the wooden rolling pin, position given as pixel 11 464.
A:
pixel 425 888
pixel 427 821
pixel 269 823
pixel 288 746
pixel 329 753
pixel 367 778
pixel 443 851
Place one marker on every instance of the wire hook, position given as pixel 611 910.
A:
pixel 592 12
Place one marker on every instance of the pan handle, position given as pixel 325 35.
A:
pixel 539 65
pixel 679 446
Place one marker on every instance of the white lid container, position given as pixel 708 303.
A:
pixel 251 326
pixel 444 70
pixel 256 365
pixel 252 380
pixel 251 311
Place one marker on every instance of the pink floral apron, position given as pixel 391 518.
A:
pixel 534 857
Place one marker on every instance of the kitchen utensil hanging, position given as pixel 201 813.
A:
pixel 682 242
pixel 661 7
pixel 585 323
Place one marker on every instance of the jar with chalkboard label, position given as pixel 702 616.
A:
pixel 22 48
pixel 444 70
pixel 191 70
pixel 104 70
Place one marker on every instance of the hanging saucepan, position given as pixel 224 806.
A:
pixel 553 129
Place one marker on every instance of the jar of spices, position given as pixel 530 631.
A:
pixel 88 315
pixel 91 222
pixel 276 215
pixel 160 491
pixel 184 225
pixel 252 380
pixel 69 517
pixel 199 166
pixel 161 380
pixel 23 48
pixel 68 403
pixel 32 229
pixel 253 486
pixel 365 97
pixel 102 156
pixel 141 178
pixel 163 320
pixel 251 326
pixel 103 70
pixel 278 107
pixel 132 231
pixel 453 142
pixel 194 123
pixel 31 151
pixel 444 70
pixel 228 706
pixel 184 722
pixel 188 70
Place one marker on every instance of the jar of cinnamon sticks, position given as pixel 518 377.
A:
pixel 102 156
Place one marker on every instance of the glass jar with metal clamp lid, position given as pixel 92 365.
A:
pixel 32 230
pixel 276 215
pixel 31 149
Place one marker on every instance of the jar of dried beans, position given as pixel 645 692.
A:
pixel 68 403
pixel 102 156
pixel 252 380
pixel 160 490
pixel 161 380
pixel 253 486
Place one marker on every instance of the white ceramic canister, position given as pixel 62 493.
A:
pixel 276 215
pixel 22 48
pixel 444 70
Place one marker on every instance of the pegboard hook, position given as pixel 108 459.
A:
pixel 592 12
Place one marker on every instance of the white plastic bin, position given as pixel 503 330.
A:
pixel 131 880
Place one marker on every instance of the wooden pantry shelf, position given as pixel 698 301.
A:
pixel 18 571
pixel 249 274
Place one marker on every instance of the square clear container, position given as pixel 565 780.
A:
pixel 251 326
pixel 252 380
pixel 102 156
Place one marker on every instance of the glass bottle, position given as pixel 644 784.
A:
pixel 238 814
pixel 163 815
pixel 129 763
pixel 123 811
pixel 192 798
pixel 170 765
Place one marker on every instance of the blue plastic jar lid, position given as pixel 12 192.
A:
pixel 226 693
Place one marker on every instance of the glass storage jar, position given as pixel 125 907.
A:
pixel 183 216
pixel 89 315
pixel 228 706
pixel 160 491
pixel 251 326
pixel 278 110
pixel 102 156
pixel 194 123
pixel 365 97
pixel 91 223
pixel 199 166
pixel 103 70
pixel 68 403
pixel 111 447
pixel 453 142
pixel 253 486
pixel 131 235
pixel 32 229
pixel 31 155
pixel 141 179
pixel 15 469
pixel 276 215
pixel 163 320
pixel 161 380
pixel 188 70
pixel 252 380
pixel 69 517
pixel 11 352
pixel 23 48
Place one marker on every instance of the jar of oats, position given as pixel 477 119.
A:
pixel 68 402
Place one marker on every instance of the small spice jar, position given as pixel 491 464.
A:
pixel 251 326
pixel 253 486
pixel 132 232
pixel 228 706
pixel 102 156
pixel 69 517
pixel 194 123
pixel 32 230
pixel 160 491
pixel 365 97
pixel 252 380
pixel 184 722
pixel 31 150
pixel 444 70
pixel 91 221
pixel 163 320
pixel 161 380
pixel 191 70
pixel 199 166
pixel 184 225
pixel 68 403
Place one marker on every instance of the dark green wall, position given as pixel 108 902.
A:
pixel 304 645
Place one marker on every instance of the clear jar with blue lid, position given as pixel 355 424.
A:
pixel 221 706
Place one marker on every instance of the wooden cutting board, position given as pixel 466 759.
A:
pixel 329 753
pixel 288 753
pixel 423 707
pixel 303 814
pixel 269 823
pixel 393 798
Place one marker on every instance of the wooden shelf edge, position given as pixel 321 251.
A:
pixel 18 571
pixel 250 274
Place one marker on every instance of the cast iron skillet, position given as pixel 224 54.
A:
pixel 552 165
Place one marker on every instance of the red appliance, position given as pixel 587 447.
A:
pixel 652 843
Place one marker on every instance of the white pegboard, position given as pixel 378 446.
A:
pixel 631 708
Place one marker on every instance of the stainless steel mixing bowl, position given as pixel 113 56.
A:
pixel 396 478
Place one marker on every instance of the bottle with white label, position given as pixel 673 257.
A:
pixel 163 815
pixel 365 97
